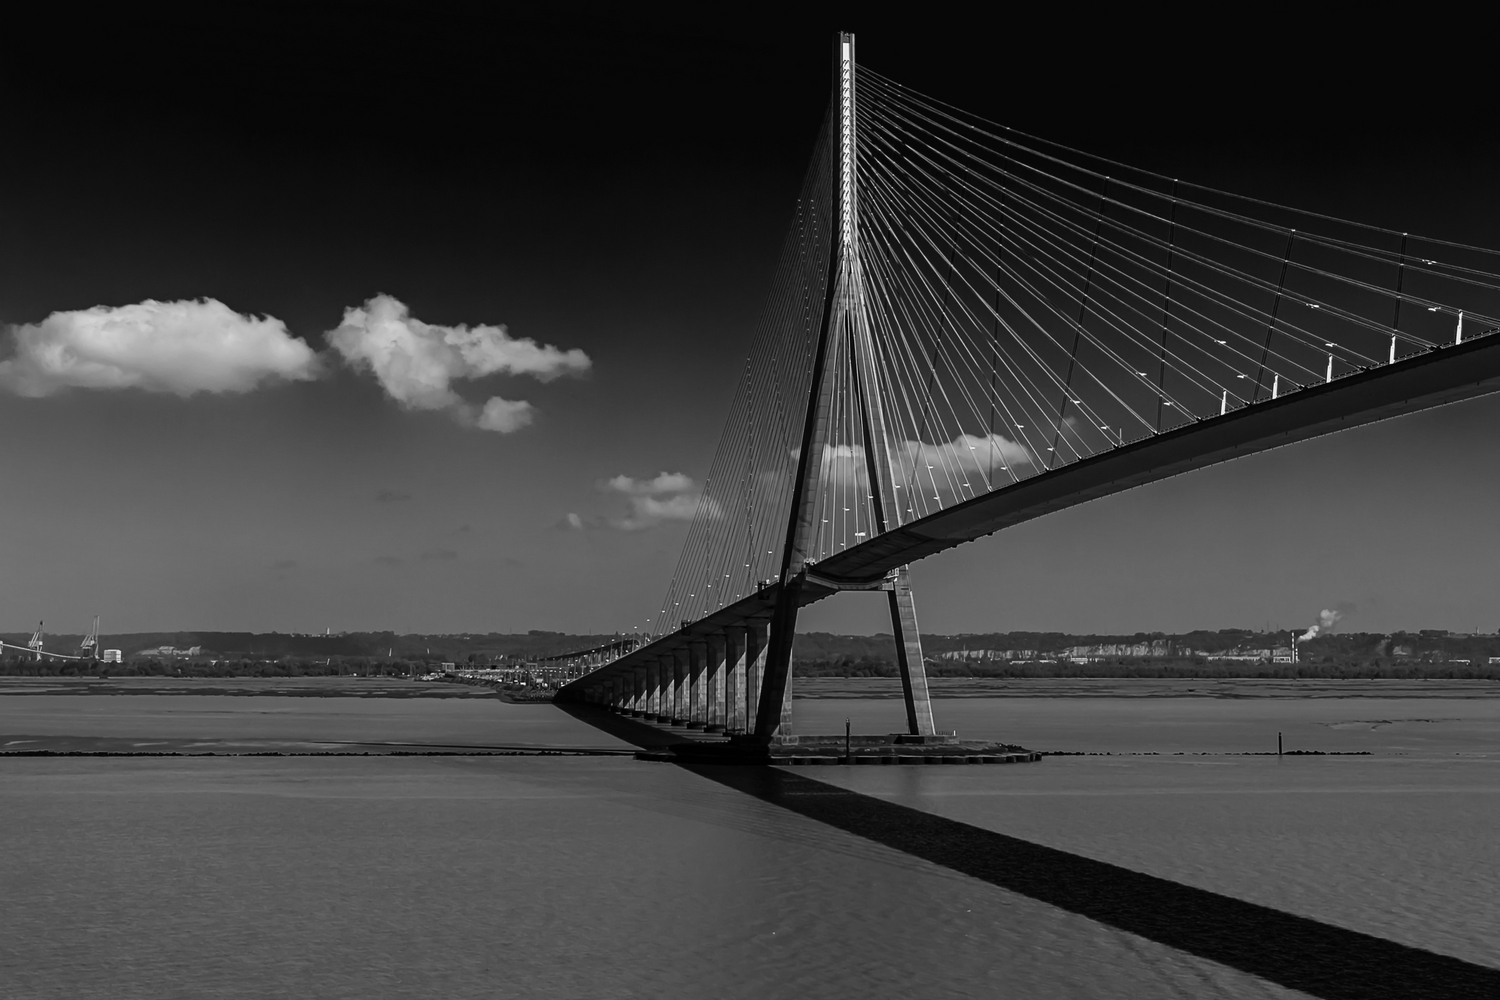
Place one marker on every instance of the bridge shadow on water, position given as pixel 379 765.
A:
pixel 1296 952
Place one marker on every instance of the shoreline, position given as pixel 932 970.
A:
pixel 260 687
pixel 804 688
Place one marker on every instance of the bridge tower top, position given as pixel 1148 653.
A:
pixel 848 217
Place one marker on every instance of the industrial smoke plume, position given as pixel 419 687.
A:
pixel 1326 620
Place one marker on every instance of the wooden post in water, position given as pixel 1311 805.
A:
pixel 1278 744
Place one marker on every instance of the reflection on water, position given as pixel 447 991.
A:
pixel 468 877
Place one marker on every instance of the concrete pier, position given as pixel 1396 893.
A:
pixel 713 685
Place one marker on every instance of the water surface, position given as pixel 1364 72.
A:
pixel 587 877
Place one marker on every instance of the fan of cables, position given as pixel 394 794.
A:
pixel 1031 305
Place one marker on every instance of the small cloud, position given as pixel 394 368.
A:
pixel 503 415
pixel 666 482
pixel 682 507
pixel 844 465
pixel 416 362
pixel 390 562
pixel 391 496
pixel 966 455
pixel 182 347
pixel 573 522
pixel 438 555
pixel 462 529
pixel 282 565
pixel 669 496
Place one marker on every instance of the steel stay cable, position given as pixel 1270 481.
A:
pixel 1069 321
pixel 909 352
pixel 1385 258
pixel 1010 330
pixel 1143 297
pixel 993 260
pixel 1431 304
pixel 1212 294
pixel 1031 387
pixel 1242 276
pixel 1026 380
pixel 688 564
pixel 913 268
pixel 898 94
pixel 973 363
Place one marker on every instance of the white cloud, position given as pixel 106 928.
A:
pixel 178 347
pixel 416 362
pixel 679 508
pixel 965 455
pixel 670 496
pixel 844 463
pixel 666 482
pixel 951 461
pixel 504 416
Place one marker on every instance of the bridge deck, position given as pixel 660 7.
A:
pixel 1435 378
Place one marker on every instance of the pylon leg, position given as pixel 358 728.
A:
pixel 909 656
pixel 775 685
pixel 786 706
pixel 734 679
pixel 757 643
pixel 714 677
pixel 680 706
pixel 697 685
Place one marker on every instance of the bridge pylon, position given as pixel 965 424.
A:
pixel 844 333
pixel 35 645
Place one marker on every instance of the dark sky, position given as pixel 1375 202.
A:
pixel 620 184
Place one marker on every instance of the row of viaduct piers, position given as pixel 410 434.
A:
pixel 709 682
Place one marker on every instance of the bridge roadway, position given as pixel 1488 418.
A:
pixel 635 683
pixel 28 651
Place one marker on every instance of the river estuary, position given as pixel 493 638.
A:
pixel 595 876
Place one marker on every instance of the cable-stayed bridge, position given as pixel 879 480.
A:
pixel 970 327
pixel 87 650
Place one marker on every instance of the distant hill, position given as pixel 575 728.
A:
pixel 274 645
pixel 1221 653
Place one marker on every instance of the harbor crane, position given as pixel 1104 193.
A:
pixel 88 651
pixel 89 648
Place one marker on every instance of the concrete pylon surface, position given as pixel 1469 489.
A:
pixel 713 684
pixel 734 679
pixel 844 338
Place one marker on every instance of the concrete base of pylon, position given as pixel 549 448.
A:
pixel 662 741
